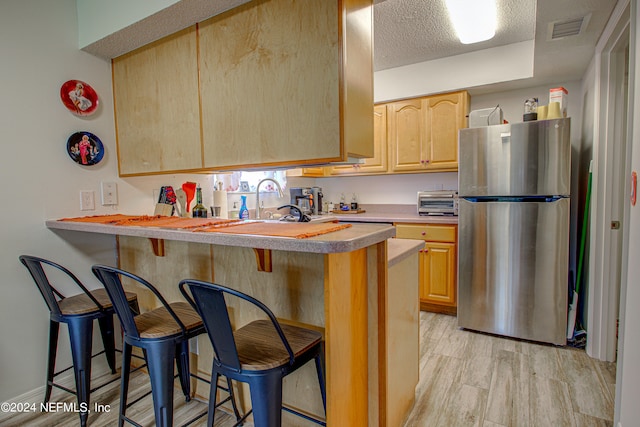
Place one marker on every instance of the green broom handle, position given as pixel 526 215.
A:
pixel 583 237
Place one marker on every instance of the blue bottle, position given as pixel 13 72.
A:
pixel 244 212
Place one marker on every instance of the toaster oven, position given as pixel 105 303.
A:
pixel 442 202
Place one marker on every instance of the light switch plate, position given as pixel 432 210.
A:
pixel 109 193
pixel 87 201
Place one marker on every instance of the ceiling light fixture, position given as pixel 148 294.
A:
pixel 473 20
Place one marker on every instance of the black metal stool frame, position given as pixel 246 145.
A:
pixel 80 334
pixel 159 352
pixel 208 299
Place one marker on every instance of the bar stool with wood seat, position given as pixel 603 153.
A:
pixel 78 312
pixel 163 334
pixel 260 353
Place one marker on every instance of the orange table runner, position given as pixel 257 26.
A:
pixel 101 219
pixel 153 221
pixel 176 222
pixel 297 230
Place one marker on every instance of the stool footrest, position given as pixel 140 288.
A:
pixel 305 416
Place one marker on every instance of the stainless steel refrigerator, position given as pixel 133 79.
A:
pixel 513 257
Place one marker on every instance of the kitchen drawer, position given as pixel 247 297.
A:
pixel 429 232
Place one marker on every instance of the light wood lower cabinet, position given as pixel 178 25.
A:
pixel 438 264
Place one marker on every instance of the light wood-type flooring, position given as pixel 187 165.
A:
pixel 466 379
pixel 474 379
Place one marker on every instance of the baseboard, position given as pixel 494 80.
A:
pixel 436 308
pixel 36 396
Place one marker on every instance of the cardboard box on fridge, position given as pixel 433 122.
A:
pixel 560 95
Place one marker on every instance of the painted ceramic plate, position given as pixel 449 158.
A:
pixel 79 97
pixel 85 148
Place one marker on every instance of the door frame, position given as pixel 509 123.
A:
pixel 607 262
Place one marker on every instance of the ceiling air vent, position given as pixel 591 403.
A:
pixel 568 27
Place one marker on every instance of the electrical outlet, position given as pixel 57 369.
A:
pixel 87 201
pixel 193 345
pixel 109 193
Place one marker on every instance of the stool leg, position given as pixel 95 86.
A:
pixel 233 399
pixel 160 358
pixel 182 363
pixel 124 381
pixel 54 328
pixel 213 391
pixel 81 335
pixel 320 371
pixel 266 400
pixel 108 340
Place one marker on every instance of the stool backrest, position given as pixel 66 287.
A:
pixel 51 295
pixel 209 301
pixel 110 278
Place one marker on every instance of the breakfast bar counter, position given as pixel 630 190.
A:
pixel 337 282
pixel 344 240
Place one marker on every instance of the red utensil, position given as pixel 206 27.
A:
pixel 190 190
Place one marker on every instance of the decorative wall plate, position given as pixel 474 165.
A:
pixel 85 148
pixel 79 97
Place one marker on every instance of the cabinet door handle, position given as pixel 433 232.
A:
pixel 424 233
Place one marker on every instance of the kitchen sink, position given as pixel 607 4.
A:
pixel 289 219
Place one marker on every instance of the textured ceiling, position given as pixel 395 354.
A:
pixel 410 31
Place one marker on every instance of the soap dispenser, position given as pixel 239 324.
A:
pixel 244 212
pixel 234 211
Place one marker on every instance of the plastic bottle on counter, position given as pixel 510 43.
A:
pixel 354 202
pixel 244 212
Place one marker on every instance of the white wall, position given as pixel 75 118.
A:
pixel 485 67
pixel 99 18
pixel 628 376
pixel 41 182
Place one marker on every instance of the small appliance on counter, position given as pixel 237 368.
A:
pixel 438 202
pixel 307 199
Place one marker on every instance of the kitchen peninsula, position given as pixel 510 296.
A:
pixel 339 283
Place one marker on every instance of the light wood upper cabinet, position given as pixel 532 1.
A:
pixel 446 115
pixel 276 86
pixel 423 132
pixel 270 83
pixel 157 109
pixel 378 163
pixel 407 134
pixel 312 172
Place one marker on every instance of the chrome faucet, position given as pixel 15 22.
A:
pixel 280 194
